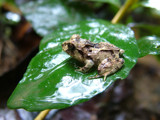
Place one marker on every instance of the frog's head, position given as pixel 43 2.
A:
pixel 70 45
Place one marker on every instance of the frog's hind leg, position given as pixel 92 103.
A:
pixel 105 67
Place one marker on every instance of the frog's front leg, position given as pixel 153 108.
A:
pixel 88 64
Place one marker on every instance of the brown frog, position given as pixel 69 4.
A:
pixel 104 55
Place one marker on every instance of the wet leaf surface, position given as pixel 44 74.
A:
pixel 46 15
pixel 51 80
pixel 149 45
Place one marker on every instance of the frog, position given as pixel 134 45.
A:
pixel 104 55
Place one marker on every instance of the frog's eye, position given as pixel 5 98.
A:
pixel 71 47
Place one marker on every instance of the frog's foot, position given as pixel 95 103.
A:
pixel 88 64
pixel 82 69
pixel 97 76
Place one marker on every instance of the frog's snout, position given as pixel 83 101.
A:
pixel 64 46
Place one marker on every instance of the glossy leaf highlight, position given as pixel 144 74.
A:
pixel 51 81
pixel 46 15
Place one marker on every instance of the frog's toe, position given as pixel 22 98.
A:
pixel 81 69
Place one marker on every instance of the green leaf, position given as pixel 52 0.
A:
pixel 149 45
pixel 51 81
pixel 47 15
pixel 143 29
pixel 113 2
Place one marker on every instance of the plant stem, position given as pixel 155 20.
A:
pixel 122 11
pixel 42 115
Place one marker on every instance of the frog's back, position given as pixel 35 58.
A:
pixel 108 46
pixel 101 51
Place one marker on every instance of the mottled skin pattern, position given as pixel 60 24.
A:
pixel 104 55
